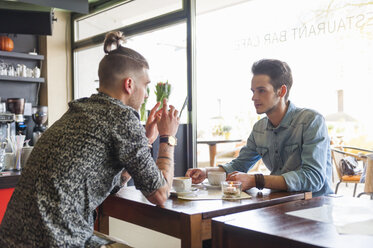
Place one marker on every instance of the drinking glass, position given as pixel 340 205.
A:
pixel 231 189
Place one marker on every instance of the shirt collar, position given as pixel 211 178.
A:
pixel 115 101
pixel 286 121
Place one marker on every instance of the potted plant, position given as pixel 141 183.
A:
pixel 162 90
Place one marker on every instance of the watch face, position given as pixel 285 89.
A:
pixel 172 140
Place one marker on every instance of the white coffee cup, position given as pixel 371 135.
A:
pixel 215 177
pixel 182 184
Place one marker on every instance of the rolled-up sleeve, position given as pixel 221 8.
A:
pixel 134 154
pixel 311 175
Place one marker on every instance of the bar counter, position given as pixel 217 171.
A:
pixel 9 179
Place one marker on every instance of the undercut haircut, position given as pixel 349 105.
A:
pixel 119 61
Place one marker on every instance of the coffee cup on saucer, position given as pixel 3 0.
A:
pixel 216 177
pixel 182 184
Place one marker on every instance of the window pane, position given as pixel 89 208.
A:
pixel 125 14
pixel 86 71
pixel 165 50
pixel 328 45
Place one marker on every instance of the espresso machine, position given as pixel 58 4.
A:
pixel 7 133
pixel 17 107
pixel 7 127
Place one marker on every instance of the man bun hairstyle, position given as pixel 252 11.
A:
pixel 119 61
pixel 113 40
pixel 278 71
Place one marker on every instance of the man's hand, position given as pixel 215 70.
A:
pixel 167 120
pixel 197 175
pixel 248 181
pixel 151 124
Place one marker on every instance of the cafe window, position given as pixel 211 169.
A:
pixel 86 70
pixel 123 14
pixel 327 44
pixel 165 50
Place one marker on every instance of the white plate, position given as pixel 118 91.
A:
pixel 209 186
pixel 192 191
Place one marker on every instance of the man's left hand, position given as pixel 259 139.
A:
pixel 248 181
pixel 151 124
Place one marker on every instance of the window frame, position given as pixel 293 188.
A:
pixel 186 14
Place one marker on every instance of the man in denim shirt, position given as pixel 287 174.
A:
pixel 292 142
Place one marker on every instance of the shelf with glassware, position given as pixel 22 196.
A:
pixel 19 73
pixel 21 55
pixel 22 79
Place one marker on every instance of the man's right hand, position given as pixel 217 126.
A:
pixel 168 122
pixel 197 175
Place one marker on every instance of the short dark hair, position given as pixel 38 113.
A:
pixel 119 60
pixel 278 71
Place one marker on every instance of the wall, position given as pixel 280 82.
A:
pixel 134 235
pixel 57 92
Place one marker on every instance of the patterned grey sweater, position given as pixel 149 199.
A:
pixel 72 169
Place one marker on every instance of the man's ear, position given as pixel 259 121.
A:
pixel 128 85
pixel 282 90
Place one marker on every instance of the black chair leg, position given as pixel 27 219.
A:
pixel 364 193
pixel 355 189
pixel 336 187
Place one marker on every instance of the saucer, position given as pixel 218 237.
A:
pixel 209 186
pixel 192 191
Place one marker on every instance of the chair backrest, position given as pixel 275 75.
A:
pixel 337 156
pixel 339 152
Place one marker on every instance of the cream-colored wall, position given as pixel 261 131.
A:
pixel 57 91
pixel 134 235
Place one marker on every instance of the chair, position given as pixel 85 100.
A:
pixel 343 151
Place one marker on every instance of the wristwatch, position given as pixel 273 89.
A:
pixel 170 140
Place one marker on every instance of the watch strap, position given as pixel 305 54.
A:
pixel 170 140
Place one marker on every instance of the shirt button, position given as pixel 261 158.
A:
pixel 276 133
pixel 276 151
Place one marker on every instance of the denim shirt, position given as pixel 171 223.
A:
pixel 298 149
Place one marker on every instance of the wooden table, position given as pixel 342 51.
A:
pixel 212 147
pixel 189 221
pixel 271 227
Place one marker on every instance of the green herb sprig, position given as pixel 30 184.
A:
pixel 162 90
pixel 143 113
